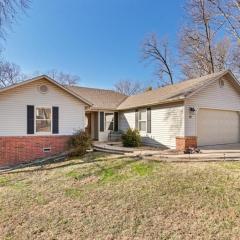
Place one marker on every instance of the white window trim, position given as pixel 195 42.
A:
pixel 35 121
pixel 141 110
pixel 105 129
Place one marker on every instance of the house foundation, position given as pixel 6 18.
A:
pixel 183 143
pixel 15 150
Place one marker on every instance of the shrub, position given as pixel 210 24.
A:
pixel 131 138
pixel 79 143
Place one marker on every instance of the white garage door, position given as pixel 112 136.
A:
pixel 217 127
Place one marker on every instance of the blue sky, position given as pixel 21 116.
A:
pixel 99 40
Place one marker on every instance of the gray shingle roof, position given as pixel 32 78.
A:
pixel 100 98
pixel 169 93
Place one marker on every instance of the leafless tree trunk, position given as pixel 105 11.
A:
pixel 157 51
pixel 127 87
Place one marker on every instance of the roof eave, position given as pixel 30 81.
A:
pixel 96 109
pixel 176 100
pixel 198 89
pixel 50 80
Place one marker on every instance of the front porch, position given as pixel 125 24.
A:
pixel 102 125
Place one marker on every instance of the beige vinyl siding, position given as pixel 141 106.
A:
pixel 127 120
pixel 167 124
pixel 211 97
pixel 13 108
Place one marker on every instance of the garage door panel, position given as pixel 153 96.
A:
pixel 217 127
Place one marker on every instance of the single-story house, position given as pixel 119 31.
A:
pixel 37 116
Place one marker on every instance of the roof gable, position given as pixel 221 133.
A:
pixel 174 93
pixel 226 75
pixel 88 103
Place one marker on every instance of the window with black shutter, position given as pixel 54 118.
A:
pixel 101 121
pixel 115 121
pixel 30 119
pixel 55 120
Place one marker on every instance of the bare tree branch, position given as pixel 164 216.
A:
pixel 202 48
pixel 128 87
pixel 157 51
pixel 63 78
pixel 9 10
pixel 10 74
pixel 230 11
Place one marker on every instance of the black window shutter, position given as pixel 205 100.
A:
pixel 136 119
pixel 115 121
pixel 55 120
pixel 149 120
pixel 101 121
pixel 30 119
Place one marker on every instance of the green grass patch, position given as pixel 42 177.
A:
pixel 73 193
pixel 111 175
pixel 18 185
pixel 14 184
pixel 143 169
pixel 75 175
pixel 3 181
pixel 231 166
pixel 40 199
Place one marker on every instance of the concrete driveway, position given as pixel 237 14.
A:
pixel 222 148
pixel 223 152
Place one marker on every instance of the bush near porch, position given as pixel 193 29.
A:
pixel 79 143
pixel 131 138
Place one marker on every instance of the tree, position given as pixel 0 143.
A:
pixel 158 51
pixel 229 12
pixel 10 74
pixel 9 10
pixel 127 87
pixel 63 78
pixel 202 50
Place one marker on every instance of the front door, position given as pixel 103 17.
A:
pixel 88 124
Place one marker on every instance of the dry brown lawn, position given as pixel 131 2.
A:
pixel 98 197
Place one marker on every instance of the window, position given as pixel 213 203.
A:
pixel 43 120
pixel 142 120
pixel 109 121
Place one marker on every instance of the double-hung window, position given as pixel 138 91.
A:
pixel 43 120
pixel 142 120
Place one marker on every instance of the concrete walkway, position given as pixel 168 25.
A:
pixel 230 152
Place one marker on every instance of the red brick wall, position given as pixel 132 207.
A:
pixel 15 150
pixel 182 143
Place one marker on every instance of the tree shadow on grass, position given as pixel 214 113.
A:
pixel 51 165
pixel 104 171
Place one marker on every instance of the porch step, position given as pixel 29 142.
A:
pixel 108 151
pixel 111 149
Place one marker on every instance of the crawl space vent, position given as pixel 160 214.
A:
pixel 47 149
